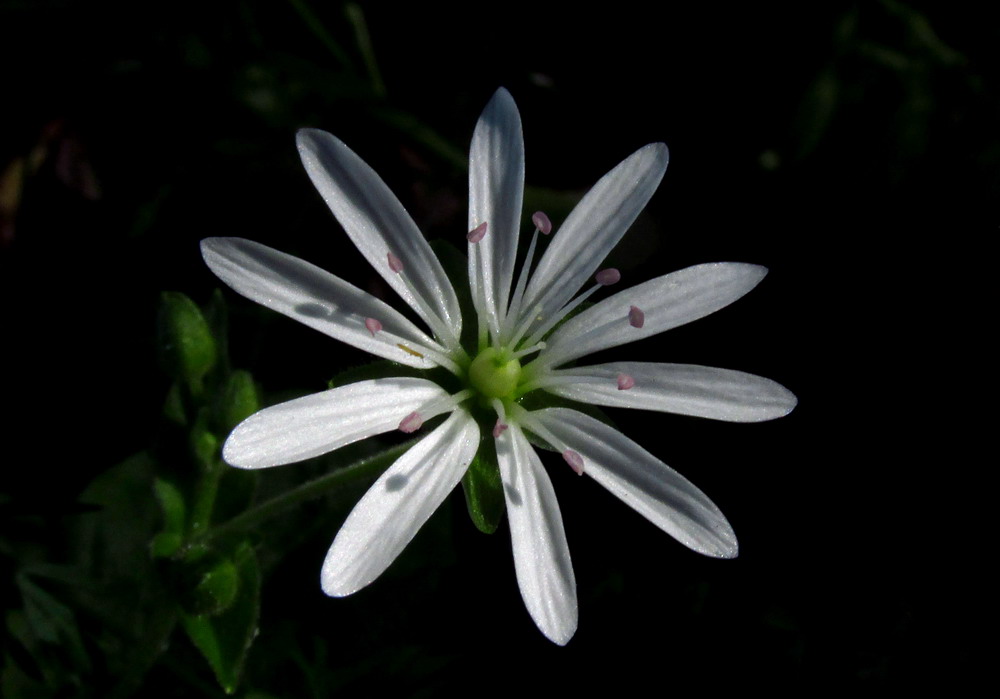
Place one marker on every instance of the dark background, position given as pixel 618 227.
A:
pixel 851 148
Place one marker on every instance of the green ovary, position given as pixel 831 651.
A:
pixel 493 374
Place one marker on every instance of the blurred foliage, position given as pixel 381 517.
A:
pixel 847 134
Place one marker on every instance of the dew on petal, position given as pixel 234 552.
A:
pixel 395 264
pixel 625 382
pixel 411 423
pixel 574 460
pixel 498 429
pixel 636 318
pixel 477 233
pixel 607 277
pixel 542 222
pixel 373 326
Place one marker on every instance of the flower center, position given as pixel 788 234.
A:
pixel 495 374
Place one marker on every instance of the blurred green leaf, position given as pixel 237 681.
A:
pixel 174 511
pixel 52 622
pixel 237 401
pixel 173 405
pixel 225 639
pixel 185 343
pixel 119 584
pixel 214 589
pixel 484 488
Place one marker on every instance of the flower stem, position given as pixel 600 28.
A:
pixel 369 468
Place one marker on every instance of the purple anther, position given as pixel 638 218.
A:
pixel 395 264
pixel 625 382
pixel 477 233
pixel 373 325
pixel 636 317
pixel 542 222
pixel 574 460
pixel 498 429
pixel 411 423
pixel 607 277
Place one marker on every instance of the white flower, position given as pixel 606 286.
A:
pixel 513 352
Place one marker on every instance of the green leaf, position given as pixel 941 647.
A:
pixel 122 588
pixel 186 347
pixel 237 401
pixel 484 489
pixel 174 511
pixel 215 583
pixel 224 639
pixel 204 443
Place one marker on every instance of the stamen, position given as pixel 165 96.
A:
pixel 542 222
pixel 373 325
pixel 565 311
pixel 574 460
pixel 395 264
pixel 525 324
pixel 411 423
pixel 442 404
pixel 477 233
pixel 636 317
pixel 528 350
pixel 442 331
pixel 607 277
pixel 625 382
pixel 514 309
pixel 498 429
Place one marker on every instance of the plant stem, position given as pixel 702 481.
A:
pixel 370 468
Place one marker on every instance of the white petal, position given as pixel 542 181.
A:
pixel 378 224
pixel 496 186
pixel 593 228
pixel 643 482
pixel 314 297
pixel 668 301
pixel 316 424
pixel 397 505
pixel 541 555
pixel 686 389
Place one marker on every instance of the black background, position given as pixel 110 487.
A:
pixel 849 147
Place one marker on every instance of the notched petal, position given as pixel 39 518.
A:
pixel 394 509
pixel 643 482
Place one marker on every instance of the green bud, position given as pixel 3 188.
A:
pixel 238 400
pixel 214 588
pixel 185 343
pixel 174 512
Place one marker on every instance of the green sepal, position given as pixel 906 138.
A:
pixel 185 344
pixel 174 509
pixel 224 639
pixel 237 401
pixel 483 488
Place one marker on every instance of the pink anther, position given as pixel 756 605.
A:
pixel 395 264
pixel 625 382
pixel 477 233
pixel 542 222
pixel 574 460
pixel 636 318
pixel 607 277
pixel 373 325
pixel 498 429
pixel 411 423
